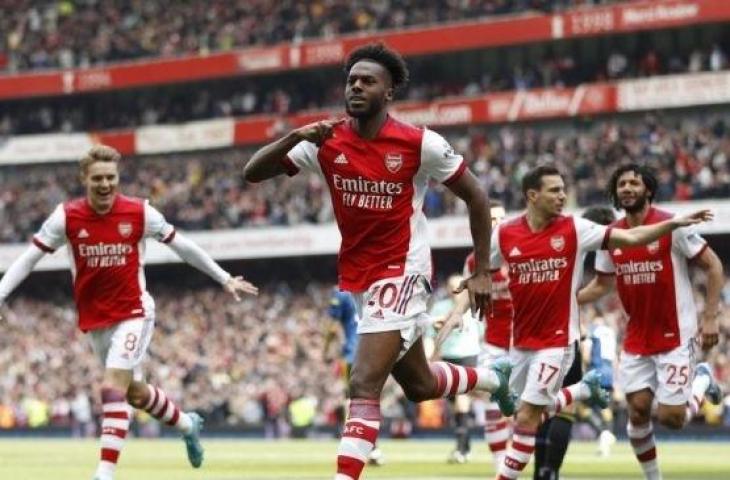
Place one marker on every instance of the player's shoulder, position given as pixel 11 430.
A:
pixel 75 204
pixel 398 129
pixel 659 215
pixel 125 204
pixel 514 222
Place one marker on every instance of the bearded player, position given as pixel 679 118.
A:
pixel 653 283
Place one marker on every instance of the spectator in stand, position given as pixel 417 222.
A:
pixel 66 34
pixel 688 149
pixel 283 94
pixel 207 360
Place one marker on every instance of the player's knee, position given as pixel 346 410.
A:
pixel 640 410
pixel 528 417
pixel 418 393
pixel 640 417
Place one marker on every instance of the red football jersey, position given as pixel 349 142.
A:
pixel 107 254
pixel 499 321
pixel 545 271
pixel 377 188
pixel 654 287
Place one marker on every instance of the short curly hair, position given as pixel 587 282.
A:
pixel 646 174
pixel 388 58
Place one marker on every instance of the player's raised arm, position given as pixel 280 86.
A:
pixel 268 161
pixel 157 227
pixel 646 234
pixel 50 237
pixel 18 271
pixel 191 253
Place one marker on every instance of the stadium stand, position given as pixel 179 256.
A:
pixel 197 191
pixel 591 88
pixel 203 353
pixel 64 35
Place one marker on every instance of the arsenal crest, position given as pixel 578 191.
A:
pixel 558 243
pixel 125 229
pixel 653 247
pixel 393 162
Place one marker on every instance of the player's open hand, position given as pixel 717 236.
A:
pixel 237 285
pixel 709 331
pixel 694 218
pixel 479 287
pixel 318 132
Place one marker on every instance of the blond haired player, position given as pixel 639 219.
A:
pixel 106 232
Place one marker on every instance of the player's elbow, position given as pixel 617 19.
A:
pixel 250 174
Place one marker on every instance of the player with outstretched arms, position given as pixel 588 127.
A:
pixel 106 233
pixel 653 283
pixel 544 252
pixel 377 169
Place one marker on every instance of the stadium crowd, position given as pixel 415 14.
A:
pixel 280 95
pixel 240 364
pixel 66 34
pixel 203 191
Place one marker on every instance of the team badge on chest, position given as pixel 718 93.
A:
pixel 557 242
pixel 653 247
pixel 393 162
pixel 125 229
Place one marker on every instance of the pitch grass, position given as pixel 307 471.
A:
pixel 33 459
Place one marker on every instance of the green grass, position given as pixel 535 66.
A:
pixel 411 459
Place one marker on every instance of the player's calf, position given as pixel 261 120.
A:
pixel 114 428
pixel 358 438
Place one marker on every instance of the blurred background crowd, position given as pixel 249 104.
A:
pixel 204 190
pixel 245 363
pixel 66 34
pixel 261 362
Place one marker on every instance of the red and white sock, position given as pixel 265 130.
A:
pixel 644 445
pixel 358 438
pixel 165 410
pixel 523 445
pixel 496 433
pixel 699 386
pixel 454 379
pixel 566 397
pixel 114 428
